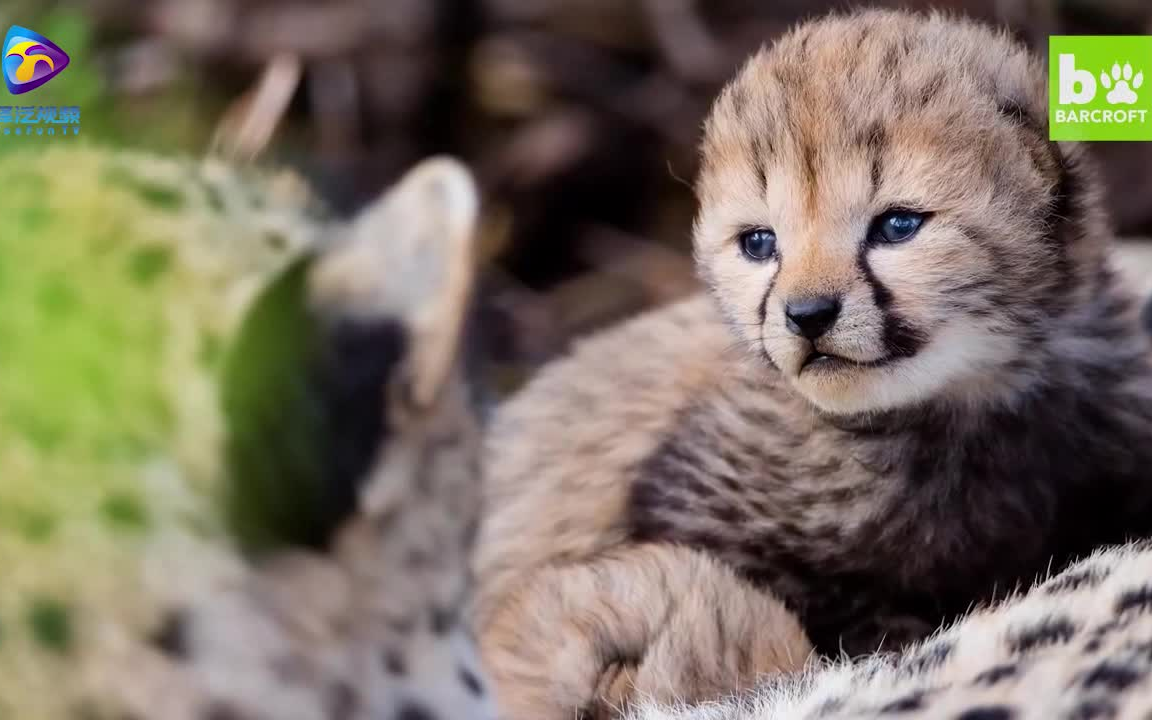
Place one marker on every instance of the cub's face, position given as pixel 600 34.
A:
pixel 881 215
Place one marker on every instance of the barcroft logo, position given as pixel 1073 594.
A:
pixel 1100 87
pixel 30 60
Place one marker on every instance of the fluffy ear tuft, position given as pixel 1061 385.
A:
pixel 409 257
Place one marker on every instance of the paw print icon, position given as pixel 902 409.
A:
pixel 1121 85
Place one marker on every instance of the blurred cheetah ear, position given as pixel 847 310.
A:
pixel 342 356
pixel 409 258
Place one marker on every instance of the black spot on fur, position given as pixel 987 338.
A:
pixel 1103 630
pixel 471 682
pixel 1072 581
pixel 221 711
pixel 401 625
pixel 1111 676
pixel 828 707
pixel 1092 710
pixel 443 620
pixel 991 712
pixel 343 701
pixel 417 558
pixel 394 662
pixel 1050 631
pixel 412 711
pixel 909 703
pixel 1136 599
pixel 995 675
pixel 929 657
pixel 171 636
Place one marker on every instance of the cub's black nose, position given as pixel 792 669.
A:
pixel 812 317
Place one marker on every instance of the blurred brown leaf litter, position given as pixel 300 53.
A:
pixel 580 118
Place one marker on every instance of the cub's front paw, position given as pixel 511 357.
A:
pixel 719 636
pixel 642 623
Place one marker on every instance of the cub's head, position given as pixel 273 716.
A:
pixel 883 218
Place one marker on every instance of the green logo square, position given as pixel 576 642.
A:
pixel 1100 87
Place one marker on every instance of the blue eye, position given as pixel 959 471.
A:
pixel 758 244
pixel 896 226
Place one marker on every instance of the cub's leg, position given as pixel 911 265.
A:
pixel 643 622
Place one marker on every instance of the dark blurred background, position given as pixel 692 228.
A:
pixel 580 117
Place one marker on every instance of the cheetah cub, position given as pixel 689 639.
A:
pixel 912 385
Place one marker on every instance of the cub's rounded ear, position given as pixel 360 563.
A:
pixel 409 258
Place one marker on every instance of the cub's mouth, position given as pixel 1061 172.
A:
pixel 822 362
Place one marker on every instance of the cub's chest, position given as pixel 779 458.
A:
pixel 852 527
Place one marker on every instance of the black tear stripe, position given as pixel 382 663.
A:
pixel 901 340
pixel 763 309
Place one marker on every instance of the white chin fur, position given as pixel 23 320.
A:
pixel 957 362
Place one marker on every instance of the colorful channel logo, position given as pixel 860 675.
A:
pixel 30 60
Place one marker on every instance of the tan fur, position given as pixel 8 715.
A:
pixel 676 430
pixel 657 622
pixel 956 156
pixel 545 663
pixel 534 447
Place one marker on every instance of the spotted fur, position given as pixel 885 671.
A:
pixel 367 622
pixel 987 418
pixel 1078 645
pixel 261 484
